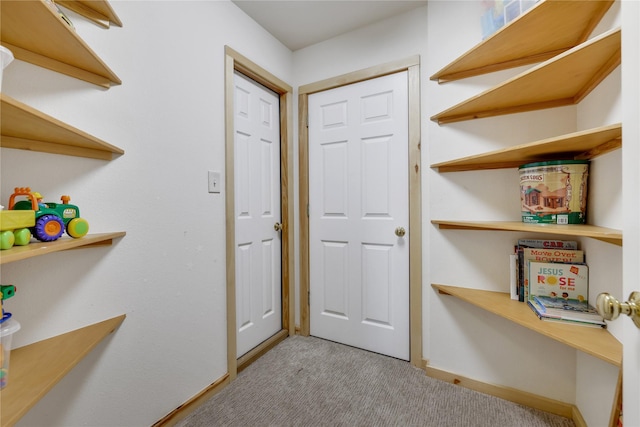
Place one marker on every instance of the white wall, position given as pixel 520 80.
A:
pixel 168 273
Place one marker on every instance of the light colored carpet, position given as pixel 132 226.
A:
pixel 306 381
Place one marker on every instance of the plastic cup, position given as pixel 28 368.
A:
pixel 5 59
pixel 7 329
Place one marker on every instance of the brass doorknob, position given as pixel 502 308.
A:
pixel 277 226
pixel 610 308
pixel 400 231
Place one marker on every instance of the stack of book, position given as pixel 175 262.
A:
pixel 551 276
pixel 568 311
pixel 542 250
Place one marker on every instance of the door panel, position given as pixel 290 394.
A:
pixel 257 195
pixel 358 192
pixel 377 287
pixel 335 280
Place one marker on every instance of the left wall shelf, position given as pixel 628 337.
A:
pixel 26 128
pixel 50 42
pixel 34 371
pixel 18 253
pixel 100 12
pixel 35 33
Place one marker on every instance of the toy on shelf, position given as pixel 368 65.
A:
pixel 8 327
pixel 6 292
pixel 50 220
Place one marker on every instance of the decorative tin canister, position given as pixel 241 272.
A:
pixel 554 192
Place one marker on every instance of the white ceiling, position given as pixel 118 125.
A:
pixel 301 23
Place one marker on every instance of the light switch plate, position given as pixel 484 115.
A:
pixel 214 182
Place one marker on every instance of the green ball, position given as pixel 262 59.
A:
pixel 6 239
pixel 22 236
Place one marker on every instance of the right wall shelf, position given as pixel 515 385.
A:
pixel 562 80
pixel 581 145
pixel 555 32
pixel 578 145
pixel 594 341
pixel 546 30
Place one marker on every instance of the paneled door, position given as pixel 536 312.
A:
pixel 359 215
pixel 257 212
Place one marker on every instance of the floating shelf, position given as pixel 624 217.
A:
pixel 544 31
pixel 594 341
pixel 26 128
pixel 563 80
pixel 34 369
pixel 608 235
pixel 97 11
pixel 35 33
pixel 18 253
pixel 579 146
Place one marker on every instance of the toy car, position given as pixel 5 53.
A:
pixel 51 219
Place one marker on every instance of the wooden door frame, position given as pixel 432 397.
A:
pixel 412 66
pixel 234 61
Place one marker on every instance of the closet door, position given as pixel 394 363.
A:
pixel 359 215
pixel 257 212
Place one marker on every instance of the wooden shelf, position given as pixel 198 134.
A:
pixel 594 341
pixel 608 235
pixel 36 368
pixel 563 80
pixel 579 146
pixel 97 11
pixel 37 34
pixel 544 31
pixel 26 128
pixel 18 253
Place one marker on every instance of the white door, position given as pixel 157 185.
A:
pixel 257 209
pixel 358 197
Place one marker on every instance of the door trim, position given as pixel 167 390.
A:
pixel 234 61
pixel 412 66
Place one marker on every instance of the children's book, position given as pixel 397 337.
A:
pixel 535 243
pixel 559 280
pixel 547 255
pixel 548 244
pixel 567 308
pixel 561 304
pixel 513 277
pixel 552 318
